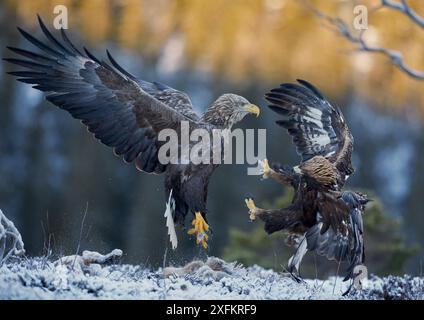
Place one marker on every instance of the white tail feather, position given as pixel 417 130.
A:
pixel 294 262
pixel 170 207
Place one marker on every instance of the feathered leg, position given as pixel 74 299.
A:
pixel 283 175
pixel 275 219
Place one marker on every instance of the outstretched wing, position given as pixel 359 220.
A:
pixel 317 127
pixel 173 98
pixel 123 112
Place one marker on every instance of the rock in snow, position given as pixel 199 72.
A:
pixel 88 260
pixel 38 278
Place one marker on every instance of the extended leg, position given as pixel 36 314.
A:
pixel 254 211
pixel 275 219
pixel 200 229
pixel 283 176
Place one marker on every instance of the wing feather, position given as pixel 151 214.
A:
pixel 123 112
pixel 317 127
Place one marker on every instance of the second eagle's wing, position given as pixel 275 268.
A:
pixel 317 127
pixel 123 112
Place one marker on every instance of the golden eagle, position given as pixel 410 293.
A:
pixel 321 217
pixel 127 114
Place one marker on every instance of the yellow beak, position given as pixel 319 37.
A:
pixel 251 108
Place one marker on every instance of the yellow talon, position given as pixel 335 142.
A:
pixel 200 228
pixel 252 208
pixel 266 170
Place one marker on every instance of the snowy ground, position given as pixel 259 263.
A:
pixel 78 279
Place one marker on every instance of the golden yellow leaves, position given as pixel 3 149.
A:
pixel 257 40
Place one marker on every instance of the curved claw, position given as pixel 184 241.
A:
pixel 265 168
pixel 252 208
pixel 199 229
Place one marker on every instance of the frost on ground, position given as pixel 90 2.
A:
pixel 92 275
pixel 38 278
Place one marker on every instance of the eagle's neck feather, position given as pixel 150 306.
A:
pixel 220 115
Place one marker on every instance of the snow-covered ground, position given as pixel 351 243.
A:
pixel 74 278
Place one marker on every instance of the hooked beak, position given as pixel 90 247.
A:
pixel 251 108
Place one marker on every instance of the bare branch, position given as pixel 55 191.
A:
pixel 81 230
pixel 11 243
pixel 341 27
pixel 404 7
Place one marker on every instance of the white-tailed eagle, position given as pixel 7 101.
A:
pixel 127 114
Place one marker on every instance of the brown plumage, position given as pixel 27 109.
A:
pixel 321 170
pixel 127 114
pixel 321 216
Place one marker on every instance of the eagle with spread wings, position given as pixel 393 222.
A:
pixel 321 217
pixel 127 114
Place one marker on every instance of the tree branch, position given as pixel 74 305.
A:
pixel 396 57
pixel 10 239
pixel 404 7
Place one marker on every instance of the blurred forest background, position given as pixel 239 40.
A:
pixel 52 171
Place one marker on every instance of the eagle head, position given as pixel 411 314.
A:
pixel 229 109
